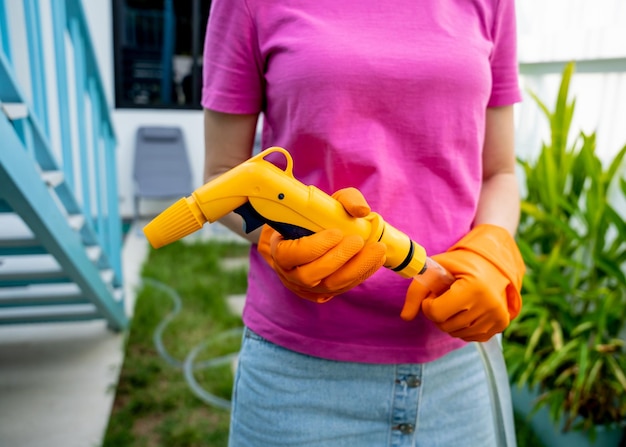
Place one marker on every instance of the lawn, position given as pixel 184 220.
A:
pixel 181 309
pixel 154 405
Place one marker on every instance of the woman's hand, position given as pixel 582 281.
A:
pixel 328 263
pixel 485 296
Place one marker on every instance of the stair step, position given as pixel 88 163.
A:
pixel 22 270
pixel 37 294
pixel 45 314
pixel 53 178
pixel 15 270
pixel 107 276
pixel 15 233
pixel 94 252
pixel 14 110
pixel 118 294
pixel 16 238
pixel 76 221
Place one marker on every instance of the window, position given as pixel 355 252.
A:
pixel 158 52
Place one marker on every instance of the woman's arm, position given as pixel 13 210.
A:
pixel 499 202
pixel 228 142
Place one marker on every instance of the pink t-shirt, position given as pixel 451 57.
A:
pixel 386 96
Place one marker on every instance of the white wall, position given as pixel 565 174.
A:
pixel 570 29
pixel 563 30
pixel 548 30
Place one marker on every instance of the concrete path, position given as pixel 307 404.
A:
pixel 57 380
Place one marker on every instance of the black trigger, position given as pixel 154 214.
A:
pixel 251 217
pixel 252 220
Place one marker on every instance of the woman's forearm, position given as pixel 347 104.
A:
pixel 228 142
pixel 499 202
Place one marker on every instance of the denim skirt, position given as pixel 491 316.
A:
pixel 285 399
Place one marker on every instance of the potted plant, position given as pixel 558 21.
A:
pixel 566 349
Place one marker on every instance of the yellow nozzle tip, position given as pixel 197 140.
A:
pixel 176 222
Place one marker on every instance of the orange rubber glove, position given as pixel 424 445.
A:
pixel 325 264
pixel 485 295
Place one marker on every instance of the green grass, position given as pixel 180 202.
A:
pixel 154 406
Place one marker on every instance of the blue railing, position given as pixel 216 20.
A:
pixel 59 175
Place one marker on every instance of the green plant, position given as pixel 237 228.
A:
pixel 568 341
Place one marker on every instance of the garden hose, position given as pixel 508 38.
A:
pixel 499 391
pixel 189 365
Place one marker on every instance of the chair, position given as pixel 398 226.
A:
pixel 161 167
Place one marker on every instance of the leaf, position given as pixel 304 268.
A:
pixel 583 365
pixel 533 210
pixel 514 357
pixel 557 335
pixel 555 360
pixel 616 219
pixel 562 116
pixel 565 375
pixel 593 374
pixel 609 267
pixel 616 163
pixel 534 339
pixel 527 375
pixel 578 175
pixel 541 104
pixel 617 370
pixel 585 326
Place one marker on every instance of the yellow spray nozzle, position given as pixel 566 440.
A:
pixel 179 220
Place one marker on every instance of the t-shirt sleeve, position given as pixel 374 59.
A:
pixel 232 69
pixel 504 64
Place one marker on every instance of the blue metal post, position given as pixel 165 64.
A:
pixel 24 130
pixel 5 45
pixel 80 83
pixel 59 26
pixel 107 207
pixel 100 180
pixel 36 60
pixel 96 145
pixel 115 221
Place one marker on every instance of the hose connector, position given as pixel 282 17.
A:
pixel 179 220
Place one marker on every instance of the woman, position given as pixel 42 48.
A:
pixel 405 108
